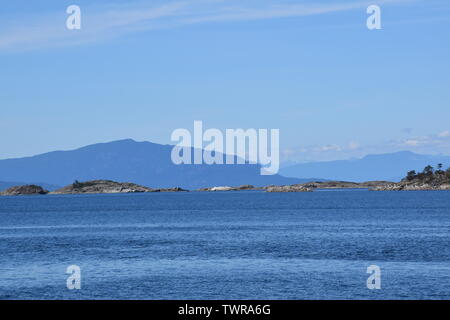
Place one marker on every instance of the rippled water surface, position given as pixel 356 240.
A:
pixel 231 245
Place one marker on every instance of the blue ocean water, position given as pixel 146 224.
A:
pixel 230 245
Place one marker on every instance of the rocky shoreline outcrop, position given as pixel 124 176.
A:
pixel 345 184
pixel 411 187
pixel 428 179
pixel 291 188
pixel 30 189
pixel 226 188
pixel 101 186
pixel 108 186
pixel 88 187
pixel 177 189
pixel 288 188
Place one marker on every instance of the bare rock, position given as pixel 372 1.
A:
pixel 226 188
pixel 24 190
pixel 345 184
pixel 176 189
pixel 292 188
pixel 101 186
pixel 417 186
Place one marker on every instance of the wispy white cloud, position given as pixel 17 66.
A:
pixel 110 21
pixel 411 142
pixel 353 145
pixel 444 134
pixel 439 142
pixel 98 23
pixel 427 144
pixel 272 11
pixel 328 147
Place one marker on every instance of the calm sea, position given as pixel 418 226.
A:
pixel 231 245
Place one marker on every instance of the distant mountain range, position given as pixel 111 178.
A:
pixel 150 164
pixel 144 163
pixel 389 166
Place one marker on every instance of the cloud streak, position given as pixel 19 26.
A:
pixel 428 144
pixel 101 23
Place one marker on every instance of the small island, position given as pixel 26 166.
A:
pixel 428 179
pixel 30 189
pixel 108 186
pixel 227 188
pixel 291 188
pixel 101 186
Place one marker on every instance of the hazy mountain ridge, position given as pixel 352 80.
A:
pixel 145 163
pixel 388 166
pixel 149 164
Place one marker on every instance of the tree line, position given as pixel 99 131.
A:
pixel 429 173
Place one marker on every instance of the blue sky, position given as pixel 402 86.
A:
pixel 312 69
